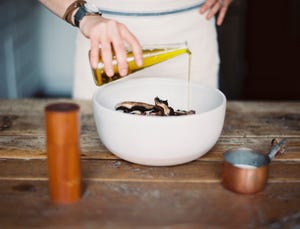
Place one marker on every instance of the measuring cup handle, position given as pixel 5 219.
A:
pixel 279 146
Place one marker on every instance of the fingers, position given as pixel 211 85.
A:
pixel 112 36
pixel 99 36
pixel 135 45
pixel 212 7
pixel 207 5
pixel 121 35
pixel 94 53
pixel 221 16
pixel 213 10
pixel 117 43
pixel 106 54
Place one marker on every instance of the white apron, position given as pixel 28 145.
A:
pixel 157 22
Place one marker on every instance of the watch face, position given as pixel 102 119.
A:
pixel 91 8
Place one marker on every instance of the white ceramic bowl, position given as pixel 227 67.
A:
pixel 159 141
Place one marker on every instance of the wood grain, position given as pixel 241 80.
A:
pixel 150 205
pixel 119 170
pixel 119 194
pixel 243 119
pixel 247 124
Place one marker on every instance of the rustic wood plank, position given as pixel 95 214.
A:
pixel 23 106
pixel 119 170
pixel 262 119
pixel 150 205
pixel 243 119
pixel 33 147
pixel 27 117
pixel 29 147
pixel 245 124
pixel 37 106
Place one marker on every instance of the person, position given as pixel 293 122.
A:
pixel 118 24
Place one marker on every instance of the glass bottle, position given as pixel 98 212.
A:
pixel 152 54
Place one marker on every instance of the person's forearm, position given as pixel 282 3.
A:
pixel 58 7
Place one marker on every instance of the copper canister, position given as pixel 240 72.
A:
pixel 245 179
pixel 246 171
pixel 63 152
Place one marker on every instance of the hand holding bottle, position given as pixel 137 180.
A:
pixel 112 37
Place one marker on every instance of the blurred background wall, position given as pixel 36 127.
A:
pixel 19 51
pixel 259 49
pixel 36 51
pixel 272 48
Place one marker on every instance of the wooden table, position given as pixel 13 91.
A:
pixel 119 194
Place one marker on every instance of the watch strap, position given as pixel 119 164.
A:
pixel 81 12
pixel 71 8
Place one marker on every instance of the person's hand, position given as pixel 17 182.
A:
pixel 112 37
pixel 215 6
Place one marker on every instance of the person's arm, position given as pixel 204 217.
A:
pixel 58 7
pixel 111 35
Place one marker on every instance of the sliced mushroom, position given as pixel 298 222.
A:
pixel 130 106
pixel 157 111
pixel 164 106
pixel 161 108
pixel 183 112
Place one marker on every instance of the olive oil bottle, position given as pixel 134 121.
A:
pixel 152 54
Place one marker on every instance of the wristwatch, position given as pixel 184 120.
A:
pixel 84 10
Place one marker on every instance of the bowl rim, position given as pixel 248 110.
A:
pixel 101 88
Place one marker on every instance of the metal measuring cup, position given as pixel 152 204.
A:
pixel 246 171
